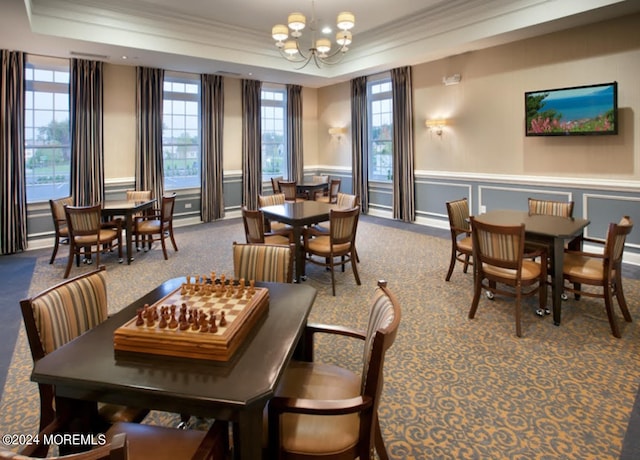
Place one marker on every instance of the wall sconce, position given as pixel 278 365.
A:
pixel 436 125
pixel 337 132
pixel 451 79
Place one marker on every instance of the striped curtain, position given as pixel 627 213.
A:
pixel 149 99
pixel 13 213
pixel 359 141
pixel 404 206
pixel 251 143
pixel 212 119
pixel 87 147
pixel 294 133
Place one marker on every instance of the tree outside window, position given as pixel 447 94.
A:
pixel 274 134
pixel 380 116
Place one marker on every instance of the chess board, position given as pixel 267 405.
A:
pixel 167 327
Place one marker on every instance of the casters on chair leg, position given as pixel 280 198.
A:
pixel 564 296
pixel 490 295
pixel 120 260
pixel 543 311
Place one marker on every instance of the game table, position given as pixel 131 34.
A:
pixel 88 369
pixel 299 215
pixel 128 209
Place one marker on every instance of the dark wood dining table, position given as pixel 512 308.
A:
pixel 298 216
pixel 552 232
pixel 88 369
pixel 127 209
pixel 310 188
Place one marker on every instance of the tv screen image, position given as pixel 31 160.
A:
pixel 576 111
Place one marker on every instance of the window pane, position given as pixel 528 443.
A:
pixel 181 134
pixel 274 136
pixel 380 101
pixel 47 132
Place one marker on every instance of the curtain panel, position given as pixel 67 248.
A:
pixel 404 207
pixel 87 146
pixel 212 119
pixel 149 160
pixel 251 143
pixel 294 131
pixel 359 141
pixel 13 214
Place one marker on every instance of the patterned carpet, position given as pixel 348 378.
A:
pixel 454 388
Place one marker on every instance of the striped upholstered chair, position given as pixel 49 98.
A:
pixel 551 208
pixel 461 244
pixel 253 221
pixel 272 200
pixel 498 254
pixel 325 410
pixel 60 314
pixel 263 262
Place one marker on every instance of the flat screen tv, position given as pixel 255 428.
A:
pixel 576 111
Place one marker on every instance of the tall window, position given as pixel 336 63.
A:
pixel 380 106
pixel 274 133
pixel 181 132
pixel 47 130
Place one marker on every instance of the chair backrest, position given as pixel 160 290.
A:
pixel 345 200
pixel 498 245
pixel 138 195
pixel 253 225
pixel 382 328
pixel 63 312
pixel 343 225
pixel 334 188
pixel 83 220
pixel 270 200
pixel 57 210
pixel 263 262
pixel 166 210
pixel 551 208
pixel 616 238
pixel 275 183
pixel 321 179
pixel 289 189
pixel 458 212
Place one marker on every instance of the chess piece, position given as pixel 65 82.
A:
pixel 223 319
pixel 139 320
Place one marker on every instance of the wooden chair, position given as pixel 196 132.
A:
pixel 550 208
pixel 133 441
pixel 58 315
pixel 339 242
pixel 602 270
pixel 263 262
pixel 461 241
pixel 157 225
pixel 332 193
pixel 275 184
pixel 323 410
pixel 343 201
pixel 59 223
pixel 254 229
pixel 499 258
pixel 272 200
pixel 138 195
pixel 87 231
pixel 290 190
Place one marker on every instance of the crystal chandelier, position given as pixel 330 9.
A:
pixel 319 49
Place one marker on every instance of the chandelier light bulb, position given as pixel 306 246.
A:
pixel 343 38
pixel 346 20
pixel 297 21
pixel 290 48
pixel 323 45
pixel 280 32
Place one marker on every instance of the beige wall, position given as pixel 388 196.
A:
pixel 486 131
pixel 486 110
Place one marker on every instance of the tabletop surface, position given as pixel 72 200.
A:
pixel 126 204
pixel 553 226
pixel 88 367
pixel 298 211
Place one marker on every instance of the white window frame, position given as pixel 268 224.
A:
pixel 380 115
pixel 274 142
pixel 181 114
pixel 47 97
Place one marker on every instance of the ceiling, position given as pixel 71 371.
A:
pixel 233 37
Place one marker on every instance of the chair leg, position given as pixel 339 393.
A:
pixel 55 250
pixel 381 450
pixel 354 266
pixel 518 312
pixel 452 263
pixel 476 297
pixel 164 245
pixel 608 304
pixel 466 264
pixel 333 278
pixel 173 240
pixel 621 300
